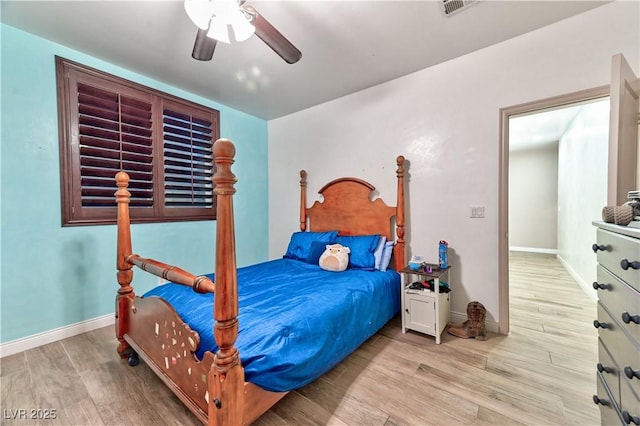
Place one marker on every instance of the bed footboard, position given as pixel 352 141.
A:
pixel 168 346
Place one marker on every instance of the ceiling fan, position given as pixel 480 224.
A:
pixel 215 18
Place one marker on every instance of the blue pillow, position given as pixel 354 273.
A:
pixel 316 250
pixel 378 253
pixel 300 244
pixel 362 249
pixel 386 255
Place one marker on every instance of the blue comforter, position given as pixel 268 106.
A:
pixel 296 320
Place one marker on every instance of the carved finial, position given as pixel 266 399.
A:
pixel 122 178
pixel 224 148
pixel 224 152
pixel 122 194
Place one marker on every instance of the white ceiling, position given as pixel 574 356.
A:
pixel 540 129
pixel 346 45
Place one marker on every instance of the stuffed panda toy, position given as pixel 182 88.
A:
pixel 335 258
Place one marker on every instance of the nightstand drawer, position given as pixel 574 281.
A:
pixel 620 248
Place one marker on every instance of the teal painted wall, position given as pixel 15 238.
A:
pixel 54 276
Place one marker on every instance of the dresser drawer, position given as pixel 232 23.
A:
pixel 629 402
pixel 619 248
pixel 630 384
pixel 624 351
pixel 608 409
pixel 619 299
pixel 609 370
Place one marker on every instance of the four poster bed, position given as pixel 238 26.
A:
pixel 279 324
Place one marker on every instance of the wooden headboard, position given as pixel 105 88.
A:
pixel 347 207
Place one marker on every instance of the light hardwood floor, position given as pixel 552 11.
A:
pixel 543 373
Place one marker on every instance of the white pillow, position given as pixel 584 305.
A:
pixel 386 255
pixel 378 253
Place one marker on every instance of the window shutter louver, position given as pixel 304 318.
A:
pixel 165 144
pixel 115 133
pixel 188 160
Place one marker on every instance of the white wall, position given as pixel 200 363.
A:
pixel 582 189
pixel 533 199
pixel 445 120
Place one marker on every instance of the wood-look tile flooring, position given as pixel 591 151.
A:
pixel 543 373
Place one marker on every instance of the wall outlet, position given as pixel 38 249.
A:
pixel 477 211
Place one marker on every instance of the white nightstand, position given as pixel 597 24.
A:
pixel 426 311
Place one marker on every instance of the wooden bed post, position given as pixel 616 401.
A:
pixel 399 251
pixel 125 273
pixel 303 200
pixel 226 376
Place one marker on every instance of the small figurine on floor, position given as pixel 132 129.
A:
pixel 474 326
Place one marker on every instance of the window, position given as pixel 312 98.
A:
pixel 164 143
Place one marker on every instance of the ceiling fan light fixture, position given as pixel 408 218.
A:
pixel 200 12
pixel 203 47
pixel 214 17
pixel 217 16
pixel 242 27
pixel 219 30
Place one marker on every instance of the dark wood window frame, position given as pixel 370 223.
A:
pixel 165 144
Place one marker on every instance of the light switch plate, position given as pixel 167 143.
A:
pixel 477 211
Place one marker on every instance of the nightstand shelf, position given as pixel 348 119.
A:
pixel 426 310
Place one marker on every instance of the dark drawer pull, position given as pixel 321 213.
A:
pixel 603 369
pixel 597 400
pixel 631 373
pixel 598 286
pixel 597 324
pixel 625 264
pixel 597 247
pixel 626 318
pixel 628 418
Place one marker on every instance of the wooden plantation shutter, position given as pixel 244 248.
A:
pixel 114 134
pixel 188 158
pixel 164 143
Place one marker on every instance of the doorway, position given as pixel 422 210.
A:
pixel 507 115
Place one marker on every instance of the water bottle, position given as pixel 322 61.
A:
pixel 442 251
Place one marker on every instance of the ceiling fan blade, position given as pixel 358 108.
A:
pixel 273 38
pixel 203 47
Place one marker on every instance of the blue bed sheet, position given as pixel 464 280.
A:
pixel 297 321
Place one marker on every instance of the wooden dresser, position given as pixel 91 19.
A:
pixel 618 323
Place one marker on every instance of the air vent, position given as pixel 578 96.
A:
pixel 449 7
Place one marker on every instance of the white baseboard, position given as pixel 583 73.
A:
pixel 534 250
pixel 586 287
pixel 459 317
pixel 35 340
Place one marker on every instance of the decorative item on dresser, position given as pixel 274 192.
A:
pixel 253 316
pixel 618 323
